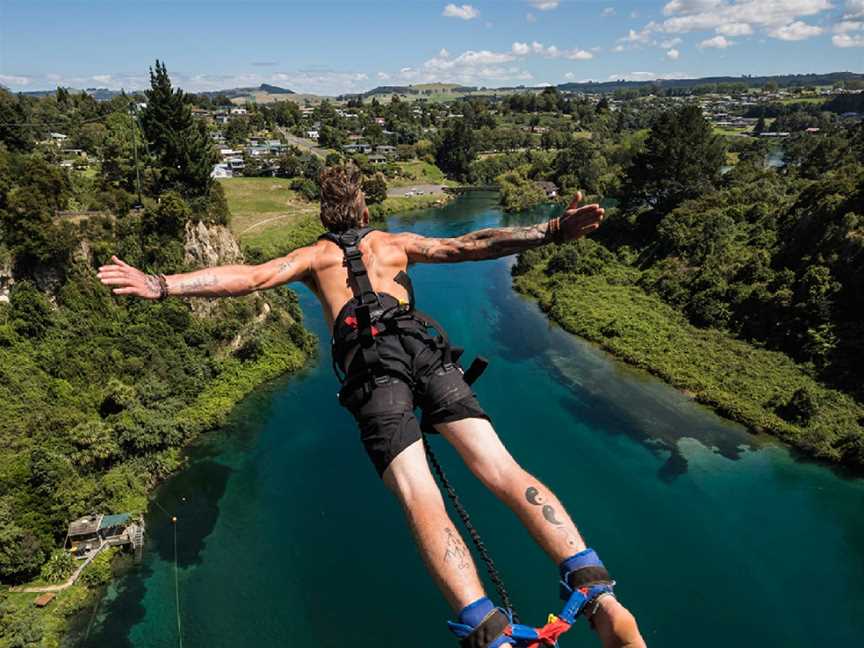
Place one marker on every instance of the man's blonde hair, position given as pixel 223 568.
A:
pixel 342 201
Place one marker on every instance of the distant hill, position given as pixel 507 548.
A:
pixel 266 87
pixel 419 89
pixel 782 81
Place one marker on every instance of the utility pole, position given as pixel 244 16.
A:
pixel 135 153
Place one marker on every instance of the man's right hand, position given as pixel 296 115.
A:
pixel 577 221
pixel 129 280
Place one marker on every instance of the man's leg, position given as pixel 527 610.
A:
pixel 539 509
pixel 441 546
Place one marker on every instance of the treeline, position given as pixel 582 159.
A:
pixel 99 393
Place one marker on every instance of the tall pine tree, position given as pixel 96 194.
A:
pixel 179 142
pixel 681 160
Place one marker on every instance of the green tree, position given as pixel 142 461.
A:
pixel 457 150
pixel 375 188
pixel 682 159
pixel 179 142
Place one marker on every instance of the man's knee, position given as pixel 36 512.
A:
pixel 499 472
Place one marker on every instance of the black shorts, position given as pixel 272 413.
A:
pixel 385 413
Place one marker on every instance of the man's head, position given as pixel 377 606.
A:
pixel 343 204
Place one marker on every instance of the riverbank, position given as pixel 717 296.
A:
pixel 744 383
pixel 280 355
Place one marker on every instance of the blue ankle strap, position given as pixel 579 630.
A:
pixel 481 625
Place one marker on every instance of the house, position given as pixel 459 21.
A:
pixel 238 112
pixel 221 171
pixel 357 148
pixel 91 532
pixel 548 187
pixel 235 164
pixel 312 134
pixel 378 158
pixel 58 138
pixel 380 121
pixel 386 149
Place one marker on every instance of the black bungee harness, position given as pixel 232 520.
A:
pixel 373 314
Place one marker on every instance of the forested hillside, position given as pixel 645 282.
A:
pixel 774 257
pixel 99 393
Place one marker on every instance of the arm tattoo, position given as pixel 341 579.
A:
pixel 456 549
pixel 197 283
pixel 153 284
pixel 285 266
pixel 490 243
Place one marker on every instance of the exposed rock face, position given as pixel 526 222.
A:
pixel 205 246
pixel 209 245
pixel 6 281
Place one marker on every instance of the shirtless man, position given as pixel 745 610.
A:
pixel 391 362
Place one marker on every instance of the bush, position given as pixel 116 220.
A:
pixel 59 567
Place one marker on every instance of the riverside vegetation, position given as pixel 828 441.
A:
pixel 744 289
pixel 100 393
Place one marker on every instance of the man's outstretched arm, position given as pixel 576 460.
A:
pixel 495 242
pixel 220 281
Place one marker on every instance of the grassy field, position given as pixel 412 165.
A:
pixel 258 204
pixel 740 381
pixel 732 132
pixel 418 172
pixel 805 100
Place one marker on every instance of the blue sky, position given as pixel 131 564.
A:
pixel 331 47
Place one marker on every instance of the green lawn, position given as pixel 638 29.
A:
pixel 740 381
pixel 261 204
pixel 418 172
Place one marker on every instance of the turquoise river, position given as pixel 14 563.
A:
pixel 286 537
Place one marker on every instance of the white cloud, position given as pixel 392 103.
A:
pixel 689 6
pixel 718 42
pixel 551 52
pixel 14 80
pixel 735 29
pixel 847 40
pixel 530 17
pixel 634 14
pixel 847 26
pixel 608 11
pixel 854 9
pixel 673 54
pixel 795 31
pixel 641 37
pixel 465 11
pixel 544 5
pixel 699 15
pixel 469 58
pixel 102 78
pixel 618 49
pixel 383 76
pixel 672 42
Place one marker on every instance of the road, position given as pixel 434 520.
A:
pixel 413 189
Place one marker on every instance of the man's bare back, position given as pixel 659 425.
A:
pixel 384 256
